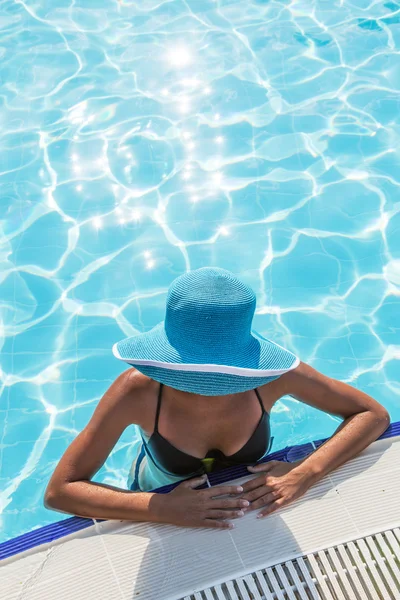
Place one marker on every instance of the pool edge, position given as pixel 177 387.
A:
pixel 70 525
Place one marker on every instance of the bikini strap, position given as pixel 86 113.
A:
pixel 159 405
pixel 158 408
pixel 259 399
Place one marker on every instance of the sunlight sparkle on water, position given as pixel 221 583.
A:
pixel 190 82
pixel 179 56
pixel 136 214
pixel 217 178
pixel 357 175
pixel 102 162
pixel 184 105
pixel 233 158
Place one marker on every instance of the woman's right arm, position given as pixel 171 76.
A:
pixel 70 489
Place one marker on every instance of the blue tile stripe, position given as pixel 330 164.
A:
pixel 50 533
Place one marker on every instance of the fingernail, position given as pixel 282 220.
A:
pixel 231 526
pixel 245 503
pixel 260 516
pixel 240 489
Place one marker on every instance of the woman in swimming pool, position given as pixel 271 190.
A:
pixel 203 386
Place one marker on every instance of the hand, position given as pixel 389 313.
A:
pixel 278 484
pixel 203 508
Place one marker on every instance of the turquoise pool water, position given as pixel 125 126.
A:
pixel 143 139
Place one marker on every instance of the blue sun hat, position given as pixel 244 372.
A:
pixel 206 345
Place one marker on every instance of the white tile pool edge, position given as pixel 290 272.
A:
pixel 114 560
pixel 50 533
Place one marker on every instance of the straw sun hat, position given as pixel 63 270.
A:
pixel 205 345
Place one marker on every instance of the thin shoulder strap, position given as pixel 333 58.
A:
pixel 158 408
pixel 259 399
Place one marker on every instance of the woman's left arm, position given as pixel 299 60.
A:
pixel 364 421
pixel 364 418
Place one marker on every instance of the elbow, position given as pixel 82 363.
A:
pixel 382 417
pixel 50 498
pixel 386 417
pixel 53 499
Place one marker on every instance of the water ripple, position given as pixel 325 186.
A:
pixel 140 140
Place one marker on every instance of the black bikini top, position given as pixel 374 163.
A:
pixel 172 461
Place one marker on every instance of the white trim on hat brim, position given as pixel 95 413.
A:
pixel 203 368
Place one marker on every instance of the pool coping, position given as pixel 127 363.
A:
pixel 70 525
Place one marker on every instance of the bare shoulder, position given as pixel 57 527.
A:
pixel 130 395
pixel 294 380
pixel 271 392
pixel 306 384
pixel 139 383
pixel 304 376
pixel 285 384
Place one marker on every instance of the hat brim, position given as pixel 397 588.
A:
pixel 152 353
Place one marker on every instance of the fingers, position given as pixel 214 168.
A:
pixel 217 524
pixel 272 507
pixel 227 503
pixel 193 483
pixel 264 500
pixel 258 492
pixel 215 513
pixel 222 490
pixel 264 467
pixel 259 487
pixel 254 483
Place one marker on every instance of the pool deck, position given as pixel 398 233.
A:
pixel 153 561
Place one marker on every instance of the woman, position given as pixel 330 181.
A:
pixel 203 386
